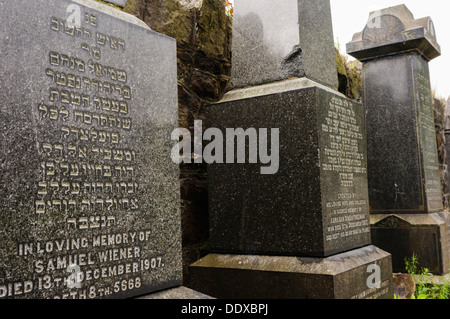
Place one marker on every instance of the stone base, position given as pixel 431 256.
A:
pixel 425 235
pixel 176 293
pixel 343 276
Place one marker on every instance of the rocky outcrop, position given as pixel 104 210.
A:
pixel 349 76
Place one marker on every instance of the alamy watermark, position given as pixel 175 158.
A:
pixel 231 148
pixel 374 279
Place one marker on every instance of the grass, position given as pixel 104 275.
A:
pixel 426 286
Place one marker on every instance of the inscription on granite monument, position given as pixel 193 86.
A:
pixel 88 194
pixel 343 166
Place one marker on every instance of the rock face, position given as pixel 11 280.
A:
pixel 203 33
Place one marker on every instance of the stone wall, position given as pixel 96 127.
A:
pixel 203 33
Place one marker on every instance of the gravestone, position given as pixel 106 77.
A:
pixel 281 41
pixel 121 3
pixel 296 225
pixel 89 196
pixel 406 200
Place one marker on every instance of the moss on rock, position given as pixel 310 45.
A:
pixel 349 74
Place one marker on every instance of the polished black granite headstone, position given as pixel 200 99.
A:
pixel 405 194
pixel 89 196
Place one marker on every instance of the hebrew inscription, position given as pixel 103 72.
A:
pixel 87 203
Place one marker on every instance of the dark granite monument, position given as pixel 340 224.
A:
pixel 447 138
pixel 121 3
pixel 405 194
pixel 89 196
pixel 300 228
pixel 278 39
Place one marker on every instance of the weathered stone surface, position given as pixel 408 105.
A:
pixel 292 38
pixel 393 31
pixel 404 286
pixel 203 33
pixel 87 183
pixel 439 123
pixel 316 204
pixel 343 276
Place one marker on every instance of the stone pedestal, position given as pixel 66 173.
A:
pixel 425 235
pixel 342 276
pixel 405 191
pixel 315 202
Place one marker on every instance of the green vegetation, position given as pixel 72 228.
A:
pixel 426 287
pixel 349 74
